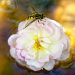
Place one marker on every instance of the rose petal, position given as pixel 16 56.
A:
pixel 12 39
pixel 49 65
pixel 34 63
pixel 43 56
pixel 65 55
pixel 56 51
pixel 13 52
pixel 66 42
pixel 22 25
pixel 34 68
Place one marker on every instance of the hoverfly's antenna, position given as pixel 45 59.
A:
pixel 33 10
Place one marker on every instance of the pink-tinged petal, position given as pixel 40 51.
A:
pixel 25 40
pixel 66 42
pixel 40 23
pixel 57 29
pixel 57 33
pixel 21 43
pixel 66 50
pixel 43 56
pixel 13 52
pixel 44 44
pixel 12 40
pixel 65 55
pixel 49 29
pixel 46 59
pixel 18 53
pixel 49 65
pixel 22 25
pixel 25 55
pixel 55 23
pixel 34 68
pixel 34 63
pixel 56 51
pixel 57 36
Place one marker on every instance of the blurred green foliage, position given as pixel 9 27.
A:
pixel 39 5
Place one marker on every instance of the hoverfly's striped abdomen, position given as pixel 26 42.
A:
pixel 36 16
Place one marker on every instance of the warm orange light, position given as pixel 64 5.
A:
pixel 65 14
pixel 5 3
pixel 71 35
pixel 5 9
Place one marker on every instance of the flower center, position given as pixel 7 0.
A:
pixel 37 45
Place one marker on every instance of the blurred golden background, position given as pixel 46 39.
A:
pixel 14 11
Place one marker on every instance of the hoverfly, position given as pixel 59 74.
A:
pixel 34 17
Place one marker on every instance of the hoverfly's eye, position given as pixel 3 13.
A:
pixel 37 16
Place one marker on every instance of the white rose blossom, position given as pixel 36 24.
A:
pixel 40 45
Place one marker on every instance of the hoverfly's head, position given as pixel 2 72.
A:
pixel 38 16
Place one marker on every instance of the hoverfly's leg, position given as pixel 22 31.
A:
pixel 29 23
